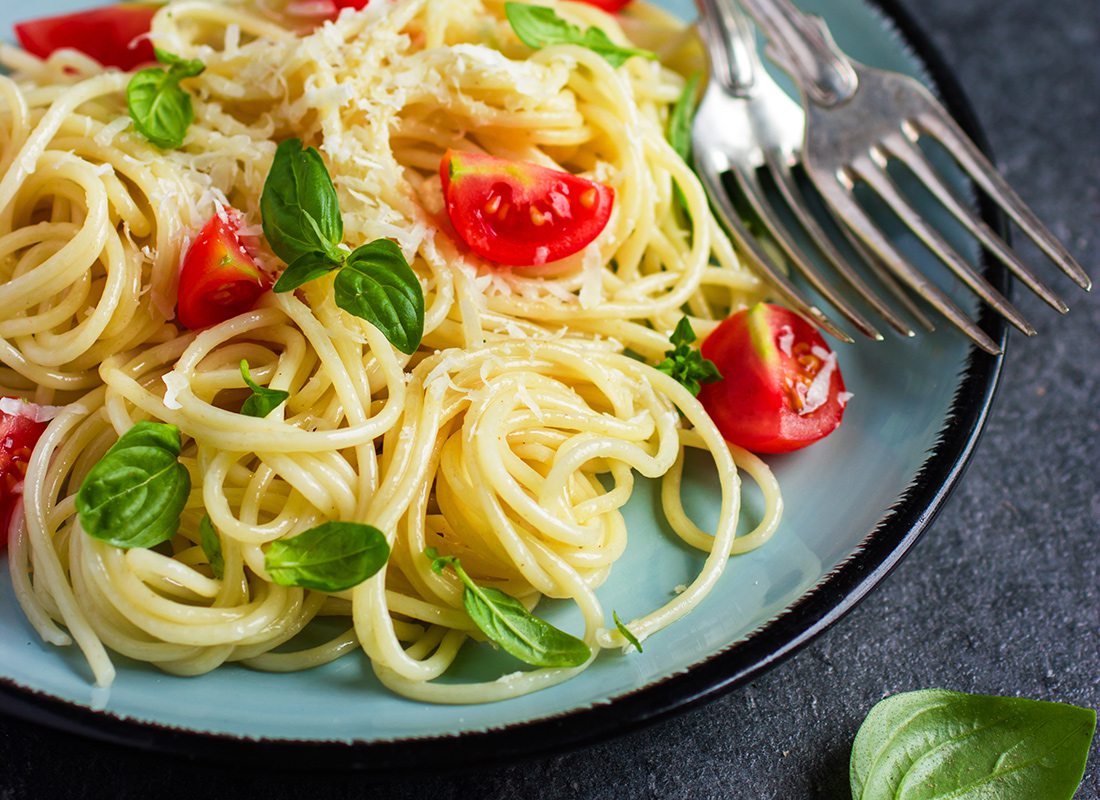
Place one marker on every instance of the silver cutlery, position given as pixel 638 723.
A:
pixel 854 119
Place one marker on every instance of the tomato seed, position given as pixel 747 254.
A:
pixel 493 204
pixel 588 198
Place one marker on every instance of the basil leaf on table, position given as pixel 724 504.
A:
pixel 134 495
pixel 263 400
pixel 211 547
pixel 330 558
pixel 299 207
pixel 159 107
pixel 626 632
pixel 940 744
pixel 539 26
pixel 505 620
pixel 378 285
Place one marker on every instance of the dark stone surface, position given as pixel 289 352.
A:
pixel 1002 595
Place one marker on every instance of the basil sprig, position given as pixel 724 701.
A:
pixel 134 495
pixel 302 223
pixel 263 399
pixel 679 128
pixel 935 743
pixel 505 621
pixel 539 26
pixel 211 546
pixel 158 105
pixel 626 632
pixel 330 558
pixel 685 363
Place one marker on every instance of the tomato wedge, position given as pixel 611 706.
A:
pixel 323 9
pixel 21 424
pixel 520 214
pixel 781 388
pixel 106 34
pixel 610 6
pixel 219 279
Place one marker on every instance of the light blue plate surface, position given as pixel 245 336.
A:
pixel 835 492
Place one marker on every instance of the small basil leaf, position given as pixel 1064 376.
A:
pixel 539 26
pixel 330 558
pixel 160 109
pixel 263 400
pixel 134 495
pixel 939 744
pixel 212 546
pixel 504 620
pixel 679 129
pixel 625 631
pixel 179 66
pixel 685 363
pixel 378 285
pixel 300 210
pixel 303 269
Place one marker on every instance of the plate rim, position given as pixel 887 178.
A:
pixel 814 612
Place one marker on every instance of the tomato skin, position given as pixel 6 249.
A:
pixel 610 6
pixel 104 34
pixel 521 214
pixel 769 357
pixel 19 432
pixel 219 279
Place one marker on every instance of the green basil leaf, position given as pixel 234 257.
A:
pixel 299 207
pixel 179 66
pixel 683 114
pixel 134 495
pixel 378 285
pixel 685 363
pixel 330 558
pixel 504 620
pixel 263 400
pixel 625 631
pixel 939 744
pixel 160 109
pixel 539 26
pixel 212 546
pixel 303 269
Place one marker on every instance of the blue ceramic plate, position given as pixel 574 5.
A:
pixel 855 504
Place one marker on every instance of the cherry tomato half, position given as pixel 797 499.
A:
pixel 781 387
pixel 19 432
pixel 219 278
pixel 610 6
pixel 105 34
pixel 322 9
pixel 518 213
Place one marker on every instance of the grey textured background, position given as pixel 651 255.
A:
pixel 1002 595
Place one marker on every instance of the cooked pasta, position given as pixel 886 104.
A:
pixel 510 438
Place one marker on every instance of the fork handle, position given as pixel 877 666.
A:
pixel 731 45
pixel 803 46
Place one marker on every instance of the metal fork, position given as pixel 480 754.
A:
pixel 859 118
pixel 745 125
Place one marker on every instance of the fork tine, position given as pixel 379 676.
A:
pixel 781 173
pixel 885 277
pixel 906 150
pixel 844 205
pixel 875 176
pixel 752 190
pixel 729 217
pixel 970 158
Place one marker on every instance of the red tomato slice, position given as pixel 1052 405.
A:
pixel 105 34
pixel 520 214
pixel 322 9
pixel 781 388
pixel 19 432
pixel 219 279
pixel 610 6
